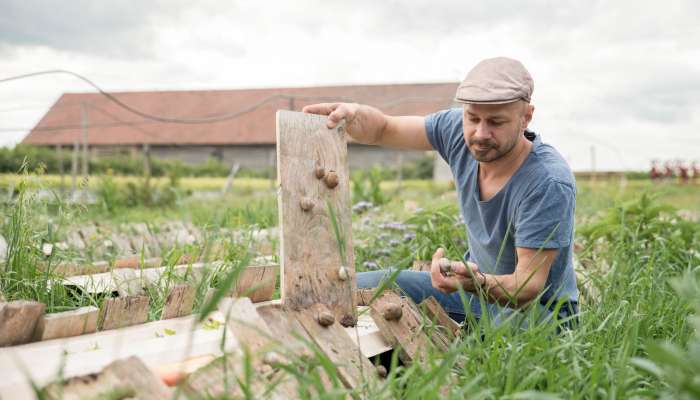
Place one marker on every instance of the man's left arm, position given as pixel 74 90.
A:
pixel 513 290
pixel 543 224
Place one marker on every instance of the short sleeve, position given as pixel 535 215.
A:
pixel 545 217
pixel 444 129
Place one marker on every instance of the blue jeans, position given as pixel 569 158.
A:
pixel 417 285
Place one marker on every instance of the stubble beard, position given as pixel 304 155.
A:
pixel 490 151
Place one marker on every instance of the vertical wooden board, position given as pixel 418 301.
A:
pixel 127 378
pixel 67 323
pixel 257 283
pixel 179 302
pixel 433 310
pixel 18 320
pixel 354 370
pixel 310 255
pixel 403 333
pixel 119 312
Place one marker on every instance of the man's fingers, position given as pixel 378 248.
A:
pixel 438 254
pixel 320 108
pixel 435 274
pixel 336 116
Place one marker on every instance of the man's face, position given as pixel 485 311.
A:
pixel 492 130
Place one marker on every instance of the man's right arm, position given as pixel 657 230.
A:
pixel 368 125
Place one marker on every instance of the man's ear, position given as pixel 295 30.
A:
pixel 527 115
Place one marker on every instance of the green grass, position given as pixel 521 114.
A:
pixel 636 339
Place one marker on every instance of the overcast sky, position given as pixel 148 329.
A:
pixel 618 75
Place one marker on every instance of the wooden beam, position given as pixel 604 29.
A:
pixel 310 253
pixel 434 311
pixel 67 324
pixel 127 378
pixel 402 332
pixel 179 301
pixel 354 370
pixel 157 343
pixel 18 320
pixel 119 312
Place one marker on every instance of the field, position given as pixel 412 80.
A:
pixel 638 260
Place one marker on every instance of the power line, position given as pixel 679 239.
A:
pixel 132 110
pixel 158 118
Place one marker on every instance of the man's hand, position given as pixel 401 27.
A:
pixel 465 277
pixel 363 123
pixel 367 125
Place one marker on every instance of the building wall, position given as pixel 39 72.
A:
pixel 261 156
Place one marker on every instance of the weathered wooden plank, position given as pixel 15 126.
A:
pixel 292 337
pixel 119 312
pixel 157 343
pixel 253 334
pixel 354 370
pixel 244 321
pixel 434 311
pixel 400 326
pixel 127 378
pixel 363 296
pixel 257 283
pixel 67 324
pixel 310 253
pixel 18 320
pixel 179 301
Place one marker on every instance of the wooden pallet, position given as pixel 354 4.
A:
pixel 316 317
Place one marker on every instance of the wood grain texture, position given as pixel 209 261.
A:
pixel 119 312
pixel 18 320
pixel 405 333
pixel 354 370
pixel 254 337
pixel 310 255
pixel 179 301
pixel 127 378
pixel 246 324
pixel 67 324
pixel 293 340
pixel 257 283
pixel 434 311
pixel 363 296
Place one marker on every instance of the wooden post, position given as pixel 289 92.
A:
pixel 146 160
pixel 229 180
pixel 74 167
pixel 61 171
pixel 316 253
pixel 84 113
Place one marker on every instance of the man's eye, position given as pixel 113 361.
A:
pixel 473 120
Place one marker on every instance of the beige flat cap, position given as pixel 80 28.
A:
pixel 497 80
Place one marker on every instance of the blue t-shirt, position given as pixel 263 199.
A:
pixel 535 208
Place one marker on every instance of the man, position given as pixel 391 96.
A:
pixel 517 196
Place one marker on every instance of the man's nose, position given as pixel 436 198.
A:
pixel 482 131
